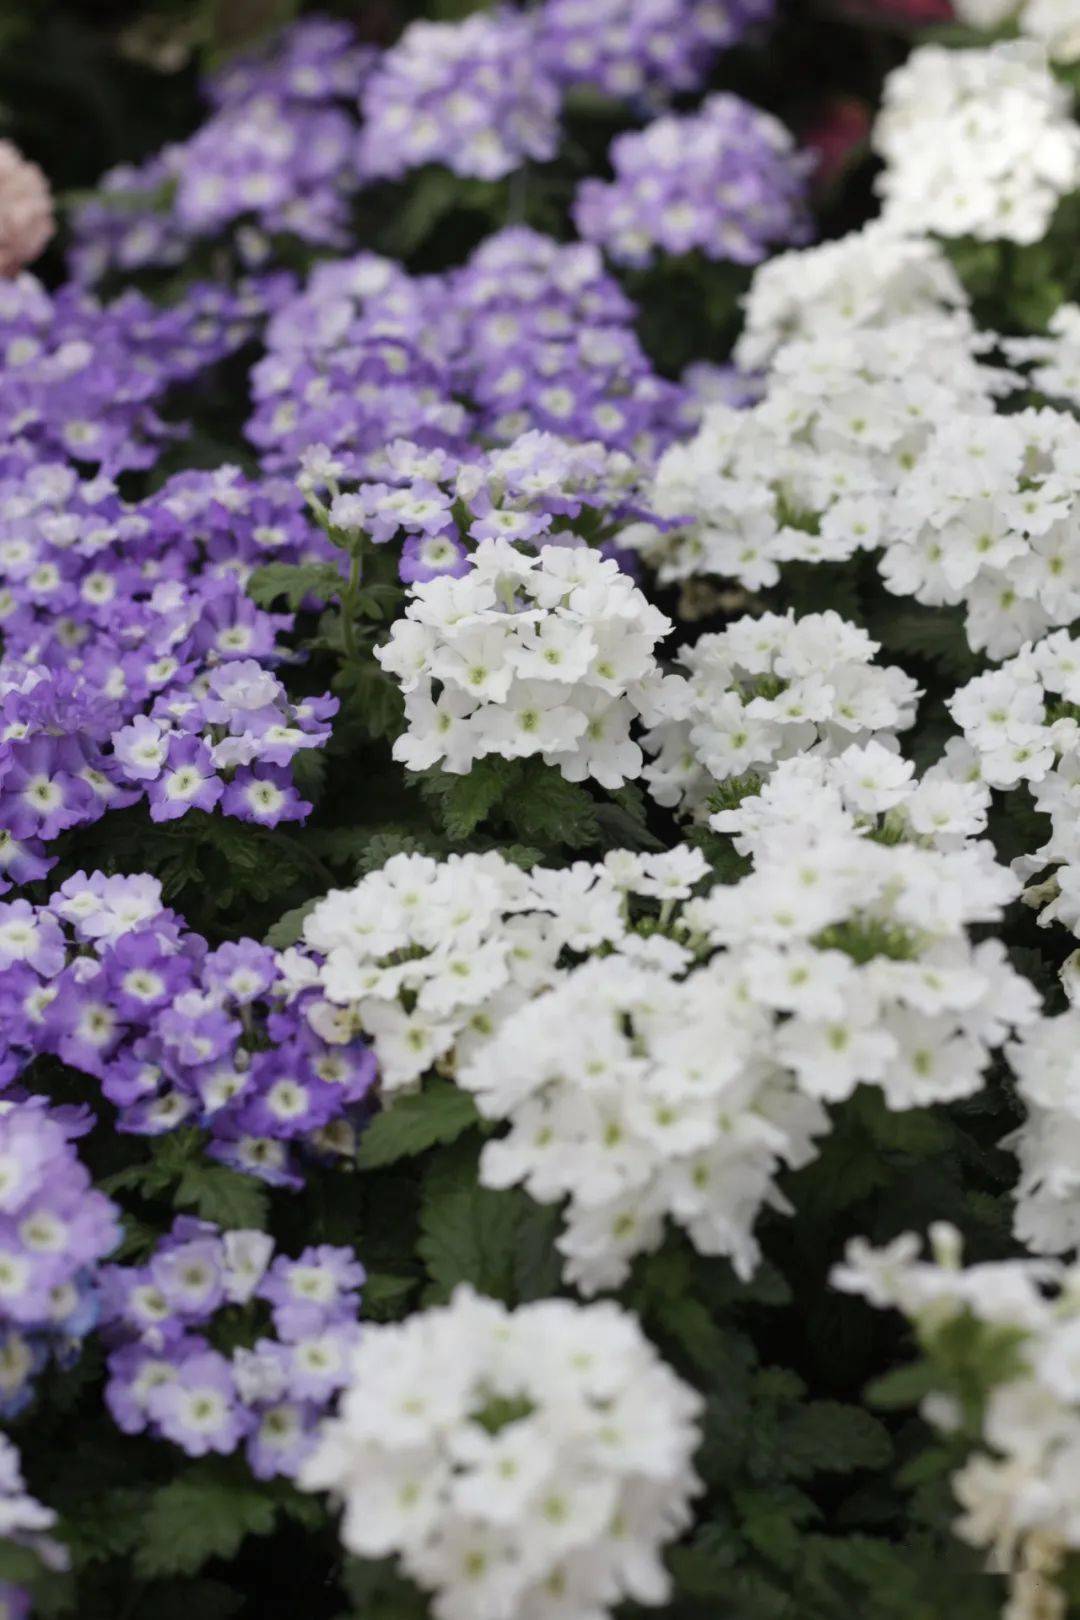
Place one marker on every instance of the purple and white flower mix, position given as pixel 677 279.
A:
pixel 725 182
pixel 167 1379
pixel 110 981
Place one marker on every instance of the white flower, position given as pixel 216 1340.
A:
pixel 550 656
pixel 975 143
pixel 512 1484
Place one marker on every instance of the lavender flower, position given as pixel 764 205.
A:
pixel 167 1378
pixel 470 95
pixel 725 182
pixel 641 49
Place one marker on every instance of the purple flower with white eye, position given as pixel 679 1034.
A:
pixel 469 95
pixel 190 1276
pixel 425 557
pixel 320 1287
pixel 187 782
pixel 282 1436
pixel 198 1409
pixel 29 935
pixel 141 748
pixel 725 182
pixel 264 796
pixel 241 970
pixel 317 1364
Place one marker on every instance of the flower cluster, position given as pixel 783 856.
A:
pixel 426 958
pixel 167 1379
pixel 1054 23
pixel 1046 1063
pixel 675 1085
pixel 276 157
pixel 641 49
pixel 873 277
pixel 1018 1488
pixel 811 471
pixel 512 1484
pixel 551 655
pixel 86 381
pixel 976 143
pixel 725 182
pixel 112 983
pixel 986 518
pixel 54 1229
pixel 26 210
pixel 767 688
pixel 532 491
pixel 528 333
pixel 470 95
pixel 134 662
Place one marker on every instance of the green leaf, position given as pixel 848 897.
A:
pixel 386 1296
pixel 289 928
pixel 463 802
pixel 441 1112
pixel 468 1233
pixel 831 1437
pixel 293 582
pixel 205 1513
pixel 903 1386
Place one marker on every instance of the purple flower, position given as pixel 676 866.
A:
pixel 470 95
pixel 187 781
pixel 308 1293
pixel 641 49
pixel 725 182
pixel 198 1409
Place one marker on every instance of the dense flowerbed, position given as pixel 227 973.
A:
pixel 540 811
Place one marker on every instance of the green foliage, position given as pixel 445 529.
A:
pixel 439 1113
pixel 178 1170
pixel 207 1512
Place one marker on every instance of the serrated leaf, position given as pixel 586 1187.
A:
pixel 464 801
pixel 293 583
pixel 831 1437
pixel 206 1513
pixel 441 1112
pixel 468 1233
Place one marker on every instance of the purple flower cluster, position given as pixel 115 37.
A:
pixel 641 49
pixel 84 380
pixel 24 1522
pixel 105 978
pixel 726 182
pixel 470 95
pixel 531 491
pixel 165 1376
pixel 54 1229
pixel 135 665
pixel 528 333
pixel 276 157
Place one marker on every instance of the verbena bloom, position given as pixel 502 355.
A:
pixel 641 49
pixel 469 95
pixel 976 143
pixel 510 1484
pixel 725 182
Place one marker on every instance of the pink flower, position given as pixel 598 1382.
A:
pixel 26 210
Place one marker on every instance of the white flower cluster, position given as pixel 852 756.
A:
pixel 550 655
pixel 675 1086
pixel 809 472
pixel 988 518
pixel 1046 1062
pixel 427 957
pixel 976 143
pixel 1054 23
pixel 1020 1489
pixel 868 789
pixel 1053 358
pixel 767 688
pixel 523 1465
pixel 1022 722
pixel 871 277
